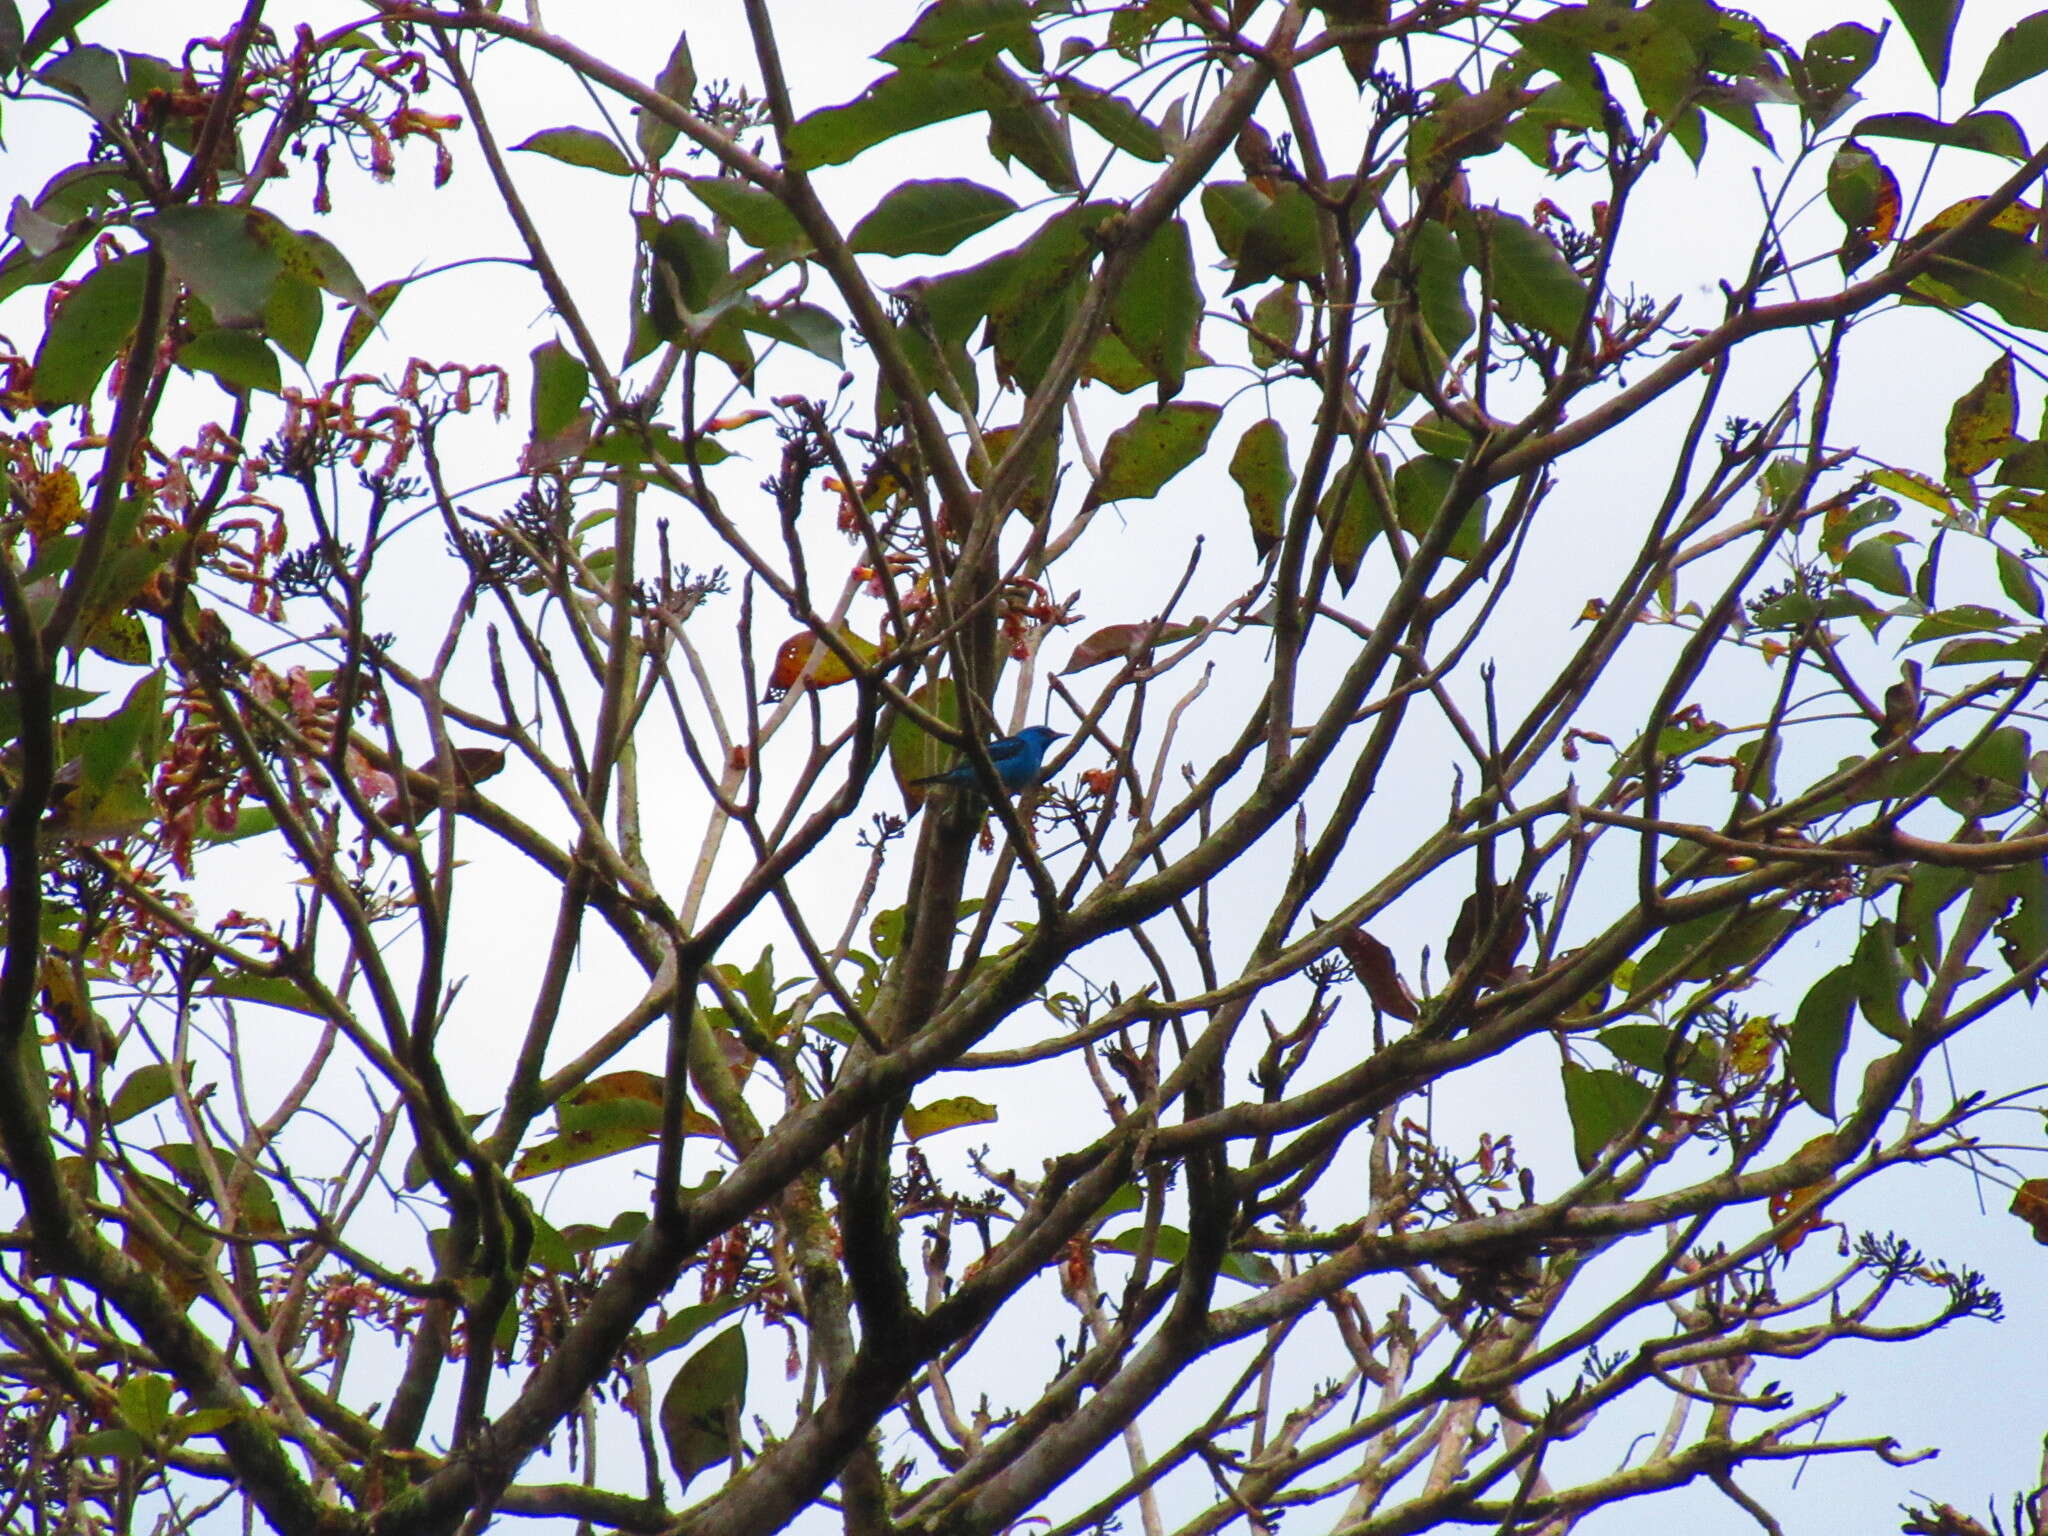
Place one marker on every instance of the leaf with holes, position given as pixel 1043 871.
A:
pixel 1981 425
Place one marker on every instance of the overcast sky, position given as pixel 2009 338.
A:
pixel 1974 1391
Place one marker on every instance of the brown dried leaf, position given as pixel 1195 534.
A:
pixel 2030 1204
pixel 1373 964
pixel 1513 934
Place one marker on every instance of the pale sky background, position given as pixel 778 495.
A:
pixel 1973 1391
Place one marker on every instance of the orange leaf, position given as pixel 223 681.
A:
pixel 2030 1204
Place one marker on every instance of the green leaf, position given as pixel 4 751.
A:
pixel 1260 468
pixel 920 1121
pixel 915 753
pixel 141 1091
pixel 1284 240
pixel 1647 1047
pixel 91 75
pixel 1981 424
pixel 1439 280
pixel 1529 278
pixel 1960 619
pixel 1603 1106
pixel 1881 977
pixel 365 320
pixel 122 1444
pixel 1914 487
pixel 572 1149
pixel 1420 486
pixel 53 25
pixel 1931 24
pixel 701 1408
pixel 25 269
pixel 1999 268
pixel 1990 133
pixel 893 105
pixel 960 33
pixel 242 360
pixel 685 1325
pixel 1820 1034
pixel 1351 518
pixel 310 255
pixel 270 991
pixel 1111 362
pixel 252 821
pixel 929 217
pixel 1833 61
pixel 1022 128
pixel 203 1421
pixel 87 332
pixel 123 741
pixel 2016 580
pixel 688 271
pixel 1731 940
pixel 1441 436
pixel 1169 1245
pixel 2020 53
pixel 1277 315
pixel 1992 777
pixel 581 147
pixel 1034 497
pixel 293 315
pixel 1151 448
pixel 145 1403
pixel 215 251
pixel 816 330
pixel 64 699
pixel 587 1237
pixel 1876 562
pixel 1158 312
pixel 756 216
pixel 560 382
pixel 1836 60
pixel 627 446
pixel 1114 119
pixel 678 82
pixel 1040 292
pixel 1865 196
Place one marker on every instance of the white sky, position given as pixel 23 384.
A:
pixel 1961 1391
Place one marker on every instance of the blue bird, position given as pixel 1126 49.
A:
pixel 1016 759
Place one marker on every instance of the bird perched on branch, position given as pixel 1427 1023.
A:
pixel 1016 759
